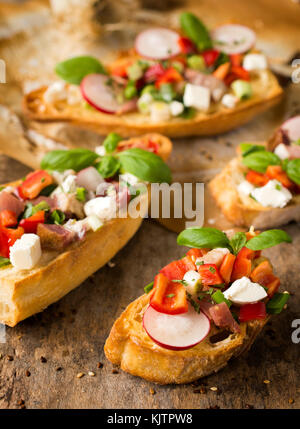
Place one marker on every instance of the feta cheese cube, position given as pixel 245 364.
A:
pixel 74 95
pixel 281 151
pixel 59 177
pixel 176 108
pixel 255 62
pixel 192 280
pixel 100 150
pixel 26 252
pixel 57 91
pixel 159 112
pixel 273 194
pixel 144 103
pixel 129 178
pixel 245 187
pixel 196 96
pixel 69 184
pixel 93 222
pixel 229 100
pixel 102 207
pixel 243 291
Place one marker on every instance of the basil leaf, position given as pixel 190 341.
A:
pixel 195 30
pixel 219 297
pixel 48 190
pixel 202 238
pixel 293 170
pixel 4 262
pixel 247 148
pixel 31 210
pixel 81 194
pixel 276 304
pixel 111 142
pixel 73 159
pixel 238 241
pixel 148 287
pixel 268 239
pixel 259 161
pixel 108 166
pixel 75 69
pixel 57 217
pixel 188 113
pixel 145 165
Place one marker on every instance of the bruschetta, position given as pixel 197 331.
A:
pixel 201 310
pixel 178 83
pixel 261 187
pixel 63 222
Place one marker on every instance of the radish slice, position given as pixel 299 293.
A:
pixel 89 178
pixel 99 94
pixel 292 128
pixel 233 39
pixel 176 332
pixel 157 44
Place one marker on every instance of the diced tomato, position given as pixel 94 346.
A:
pixel 153 146
pixel 240 72
pixel 31 223
pixel 8 218
pixel 257 179
pixel 154 72
pixel 186 45
pixel 196 253
pixel 236 59
pixel 171 75
pixel 242 265
pixel 210 275
pixel 227 267
pixel 8 237
pixel 252 312
pixel 34 183
pixel 222 71
pixel 168 297
pixel 119 68
pixel 263 274
pixel 276 172
pixel 210 56
pixel 177 269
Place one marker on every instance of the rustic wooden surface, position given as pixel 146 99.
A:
pixel 42 356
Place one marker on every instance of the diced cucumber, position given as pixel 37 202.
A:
pixel 196 62
pixel 242 89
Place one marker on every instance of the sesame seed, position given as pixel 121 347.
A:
pixel 267 381
pixel 291 401
pixel 214 389
pixel 111 264
pixel 80 375
pixel 91 374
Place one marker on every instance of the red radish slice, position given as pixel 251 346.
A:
pixel 89 178
pixel 99 94
pixel 157 43
pixel 176 332
pixel 233 38
pixel 292 128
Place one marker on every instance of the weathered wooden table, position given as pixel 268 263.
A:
pixel 43 356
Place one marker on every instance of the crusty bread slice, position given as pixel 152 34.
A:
pixel 129 346
pixel 243 210
pixel 26 292
pixel 266 93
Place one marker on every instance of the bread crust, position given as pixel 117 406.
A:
pixel 244 211
pixel 26 292
pixel 266 93
pixel 129 346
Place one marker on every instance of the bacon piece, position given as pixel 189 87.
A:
pixel 54 237
pixel 294 151
pixel 223 318
pixel 10 202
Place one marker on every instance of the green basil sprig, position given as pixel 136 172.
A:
pixel 237 242
pixel 108 166
pixel 268 239
pixel 32 210
pixel 219 297
pixel 293 170
pixel 75 69
pixel 4 262
pixel 58 217
pixel 276 304
pixel 111 142
pixel 260 160
pixel 145 165
pixel 247 148
pixel 74 159
pixel 148 287
pixel 195 30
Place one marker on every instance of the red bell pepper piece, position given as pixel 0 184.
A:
pixel 210 56
pixel 263 274
pixel 177 269
pixel 242 265
pixel 8 218
pixel 210 275
pixel 31 223
pixel 196 253
pixel 186 45
pixel 252 312
pixel 257 179
pixel 34 183
pixel 236 59
pixel 168 297
pixel 152 146
pixel 276 172
pixel 240 72
pixel 170 75
pixel 227 267
pixel 8 237
pixel 154 72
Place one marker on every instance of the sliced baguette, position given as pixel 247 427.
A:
pixel 243 210
pixel 26 292
pixel 129 346
pixel 266 93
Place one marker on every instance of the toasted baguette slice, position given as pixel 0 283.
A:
pixel 26 292
pixel 129 346
pixel 266 93
pixel 243 210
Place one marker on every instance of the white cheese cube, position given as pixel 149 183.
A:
pixel 26 252
pixel 74 95
pixel 59 177
pixel 57 91
pixel 100 150
pixel 243 291
pixel 273 194
pixel 196 96
pixel 69 184
pixel 245 187
pixel 129 178
pixel 176 108
pixel 144 103
pixel 159 112
pixel 102 207
pixel 229 100
pixel 192 280
pixel 93 222
pixel 281 151
pixel 255 62
pixel 214 256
